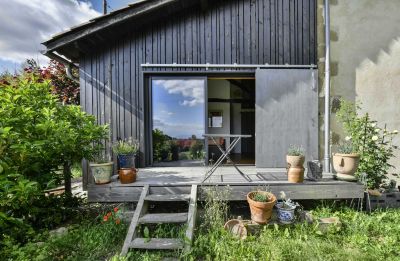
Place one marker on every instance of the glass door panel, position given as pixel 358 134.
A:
pixel 178 111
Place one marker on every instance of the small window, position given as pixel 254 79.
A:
pixel 215 119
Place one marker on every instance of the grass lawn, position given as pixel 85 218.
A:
pixel 363 236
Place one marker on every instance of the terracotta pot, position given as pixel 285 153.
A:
pixel 295 161
pixel 261 212
pixel 236 227
pixel 101 172
pixel 345 164
pixel 127 175
pixel 295 175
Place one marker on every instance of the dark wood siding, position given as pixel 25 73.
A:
pixel 236 31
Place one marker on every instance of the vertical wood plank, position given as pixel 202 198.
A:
pixel 241 31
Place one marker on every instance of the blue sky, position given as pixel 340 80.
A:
pixel 178 107
pixel 27 23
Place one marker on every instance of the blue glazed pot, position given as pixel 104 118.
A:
pixel 126 161
pixel 285 215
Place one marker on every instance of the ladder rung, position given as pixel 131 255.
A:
pixel 168 197
pixel 164 218
pixel 157 243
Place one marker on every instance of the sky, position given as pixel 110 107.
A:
pixel 178 107
pixel 25 24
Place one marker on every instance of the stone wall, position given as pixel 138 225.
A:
pixel 365 60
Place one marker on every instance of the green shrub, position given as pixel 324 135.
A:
pixel 374 144
pixel 89 240
pixel 39 136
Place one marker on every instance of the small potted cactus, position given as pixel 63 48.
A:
pixel 345 162
pixel 261 204
pixel 286 208
pixel 295 161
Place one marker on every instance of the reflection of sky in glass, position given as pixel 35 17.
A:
pixel 178 107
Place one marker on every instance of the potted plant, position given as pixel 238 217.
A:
pixel 295 161
pixel 286 208
pixel 126 152
pixel 101 169
pixel 345 162
pixel 261 204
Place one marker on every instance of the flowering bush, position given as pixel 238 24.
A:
pixel 112 217
pixel 374 144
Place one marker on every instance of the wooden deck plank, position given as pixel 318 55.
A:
pixel 157 243
pixel 171 197
pixel 164 218
pixel 178 180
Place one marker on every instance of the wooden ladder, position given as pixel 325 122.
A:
pixel 141 216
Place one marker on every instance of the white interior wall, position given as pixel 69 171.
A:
pixel 220 89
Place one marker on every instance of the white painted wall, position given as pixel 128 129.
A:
pixel 220 89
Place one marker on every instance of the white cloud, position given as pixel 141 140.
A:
pixel 27 23
pixel 193 90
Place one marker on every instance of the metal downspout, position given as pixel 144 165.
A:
pixel 327 154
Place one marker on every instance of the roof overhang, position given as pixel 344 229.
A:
pixel 89 36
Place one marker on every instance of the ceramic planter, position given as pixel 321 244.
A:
pixel 261 211
pixel 345 165
pixel 127 175
pixel 295 161
pixel 126 161
pixel 102 172
pixel 285 215
pixel 295 175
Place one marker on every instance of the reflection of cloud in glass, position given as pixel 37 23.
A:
pixel 193 90
pixel 179 130
pixel 169 113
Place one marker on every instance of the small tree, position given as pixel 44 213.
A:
pixel 43 134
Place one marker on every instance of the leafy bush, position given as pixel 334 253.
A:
pixel 24 208
pixel 40 135
pixel 374 144
pixel 89 240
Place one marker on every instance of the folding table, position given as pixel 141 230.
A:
pixel 225 153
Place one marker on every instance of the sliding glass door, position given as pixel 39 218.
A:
pixel 178 120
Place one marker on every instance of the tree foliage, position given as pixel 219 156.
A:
pixel 39 135
pixel 65 88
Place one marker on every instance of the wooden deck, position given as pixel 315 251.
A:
pixel 178 180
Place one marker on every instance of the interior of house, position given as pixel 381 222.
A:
pixel 231 110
